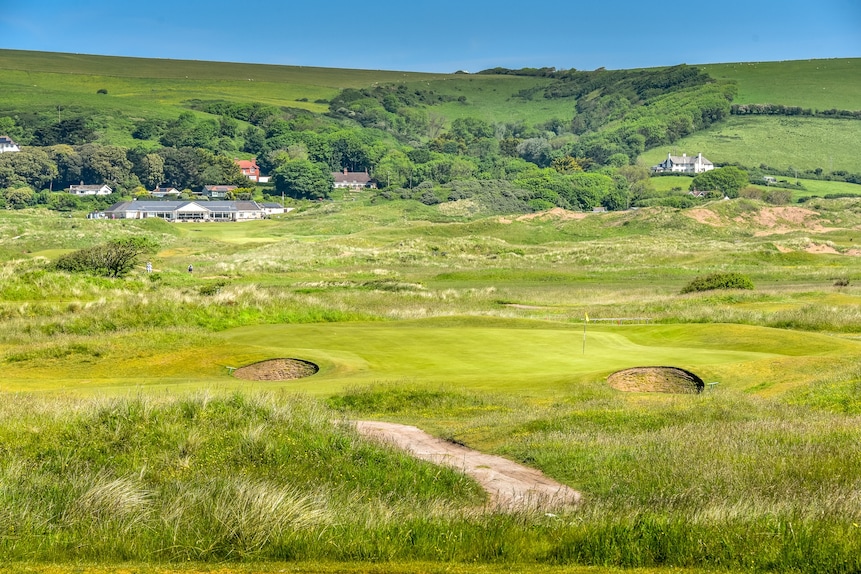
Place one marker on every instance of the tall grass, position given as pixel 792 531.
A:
pixel 718 480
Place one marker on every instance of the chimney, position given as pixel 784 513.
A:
pixel 345 171
pixel 684 155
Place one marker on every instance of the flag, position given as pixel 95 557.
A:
pixel 585 314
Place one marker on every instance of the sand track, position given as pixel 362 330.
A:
pixel 511 486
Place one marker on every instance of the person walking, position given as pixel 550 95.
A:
pixel 190 268
pixel 149 267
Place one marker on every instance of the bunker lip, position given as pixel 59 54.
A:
pixel 656 380
pixel 276 370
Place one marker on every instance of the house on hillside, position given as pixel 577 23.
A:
pixel 218 191
pixel 353 180
pixel 165 191
pixel 251 170
pixel 187 211
pixel 82 189
pixel 684 164
pixel 7 145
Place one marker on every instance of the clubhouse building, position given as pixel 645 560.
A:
pixel 191 211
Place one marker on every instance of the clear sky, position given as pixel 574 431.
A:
pixel 440 35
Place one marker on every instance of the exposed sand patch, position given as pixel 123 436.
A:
pixel 511 486
pixel 276 370
pixel 821 248
pixel 705 216
pixel 783 220
pixel 656 380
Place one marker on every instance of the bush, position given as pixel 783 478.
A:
pixel 113 259
pixel 719 281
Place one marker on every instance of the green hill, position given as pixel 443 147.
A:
pixel 406 128
pixel 820 84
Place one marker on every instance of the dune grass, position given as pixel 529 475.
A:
pixel 123 439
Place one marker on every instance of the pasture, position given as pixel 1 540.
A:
pixel 815 84
pixel 778 142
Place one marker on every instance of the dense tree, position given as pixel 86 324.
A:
pixel 71 131
pixel 107 164
pixel 728 180
pixel 69 164
pixel 303 179
pixel 30 166
pixel 535 150
pixel 394 169
pixel 18 197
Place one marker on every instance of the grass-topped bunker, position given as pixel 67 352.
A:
pixel 276 370
pixel 656 380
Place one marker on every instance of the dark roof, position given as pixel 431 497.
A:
pixel 172 205
pixel 351 176
pixel 7 140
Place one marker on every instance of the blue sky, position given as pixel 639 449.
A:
pixel 442 35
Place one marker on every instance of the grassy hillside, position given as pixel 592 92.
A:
pixel 816 84
pixel 778 142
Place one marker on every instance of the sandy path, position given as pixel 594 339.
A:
pixel 510 485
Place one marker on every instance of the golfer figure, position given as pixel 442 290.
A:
pixel 148 267
pixel 190 268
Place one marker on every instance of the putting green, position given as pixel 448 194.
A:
pixel 503 355
pixel 532 356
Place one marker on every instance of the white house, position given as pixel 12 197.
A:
pixel 6 144
pixel 274 208
pixel 165 191
pixel 684 164
pixel 354 180
pixel 90 189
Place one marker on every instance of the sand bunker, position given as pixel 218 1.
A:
pixel 656 380
pixel 277 370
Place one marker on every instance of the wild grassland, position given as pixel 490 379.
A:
pixel 123 439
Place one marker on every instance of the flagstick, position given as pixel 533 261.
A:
pixel 584 335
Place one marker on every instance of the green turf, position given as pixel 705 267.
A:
pixel 468 353
pixel 815 84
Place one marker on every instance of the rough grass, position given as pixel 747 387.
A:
pixel 469 328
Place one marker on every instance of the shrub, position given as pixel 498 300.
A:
pixel 719 281
pixel 112 259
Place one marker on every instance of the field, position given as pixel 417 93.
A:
pixel 126 440
pixel 778 142
pixel 141 88
pixel 812 187
pixel 814 84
